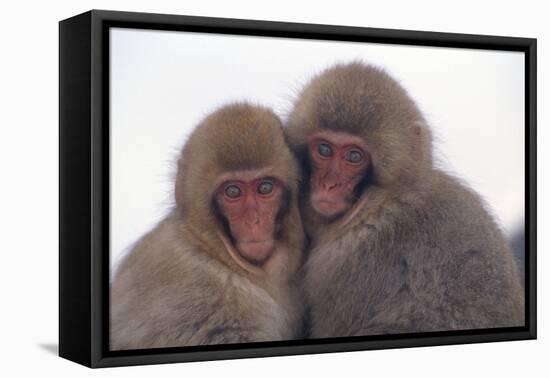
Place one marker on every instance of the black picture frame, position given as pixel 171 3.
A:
pixel 84 186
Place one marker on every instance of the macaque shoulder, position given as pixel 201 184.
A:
pixel 447 227
pixel 169 284
pixel 156 257
pixel 458 213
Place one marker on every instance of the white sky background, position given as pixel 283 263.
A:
pixel 164 83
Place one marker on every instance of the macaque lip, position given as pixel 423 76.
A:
pixel 325 202
pixel 256 251
pixel 328 208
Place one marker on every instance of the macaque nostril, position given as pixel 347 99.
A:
pixel 252 221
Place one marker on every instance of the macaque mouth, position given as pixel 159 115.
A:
pixel 330 205
pixel 257 241
pixel 324 201
pixel 328 198
pixel 256 251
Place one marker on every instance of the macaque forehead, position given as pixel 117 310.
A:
pixel 247 175
pixel 339 138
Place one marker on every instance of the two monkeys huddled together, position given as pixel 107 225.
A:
pixel 334 224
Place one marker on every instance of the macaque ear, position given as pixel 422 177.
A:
pixel 422 141
pixel 417 130
pixel 418 136
pixel 179 190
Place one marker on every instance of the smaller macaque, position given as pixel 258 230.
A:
pixel 220 267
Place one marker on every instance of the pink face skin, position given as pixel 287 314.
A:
pixel 251 209
pixel 339 161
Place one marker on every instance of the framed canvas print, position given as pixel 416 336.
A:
pixel 235 188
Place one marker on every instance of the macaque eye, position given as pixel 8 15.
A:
pixel 265 187
pixel 324 150
pixel 232 191
pixel 354 156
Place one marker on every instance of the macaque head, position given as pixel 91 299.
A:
pixel 355 131
pixel 250 205
pixel 237 182
pixel 339 161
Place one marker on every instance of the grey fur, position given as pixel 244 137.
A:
pixel 179 286
pixel 422 253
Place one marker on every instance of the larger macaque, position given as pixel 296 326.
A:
pixel 219 268
pixel 397 245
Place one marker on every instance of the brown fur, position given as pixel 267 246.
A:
pixel 418 251
pixel 179 285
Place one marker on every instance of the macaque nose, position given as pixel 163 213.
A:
pixel 329 186
pixel 331 180
pixel 253 219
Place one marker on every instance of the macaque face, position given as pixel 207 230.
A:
pixel 251 209
pixel 338 163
